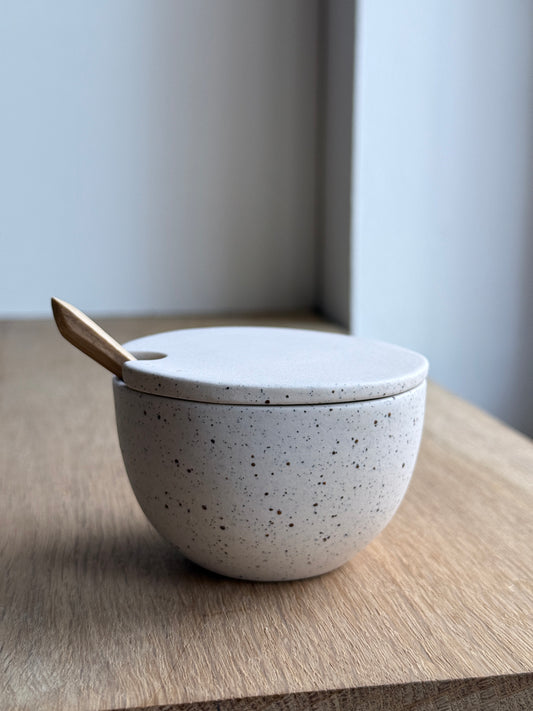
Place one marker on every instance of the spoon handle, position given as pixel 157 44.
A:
pixel 86 335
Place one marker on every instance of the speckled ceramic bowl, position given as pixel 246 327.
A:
pixel 269 454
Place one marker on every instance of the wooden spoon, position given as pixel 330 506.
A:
pixel 86 335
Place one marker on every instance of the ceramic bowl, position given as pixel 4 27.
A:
pixel 252 451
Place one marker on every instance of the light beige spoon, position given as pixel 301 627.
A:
pixel 86 335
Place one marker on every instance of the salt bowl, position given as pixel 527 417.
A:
pixel 269 453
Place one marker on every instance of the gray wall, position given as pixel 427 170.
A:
pixel 158 156
pixel 336 159
pixel 443 194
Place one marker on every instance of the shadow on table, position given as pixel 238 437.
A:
pixel 126 582
pixel 124 609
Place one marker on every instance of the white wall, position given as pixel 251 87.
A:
pixel 157 156
pixel 443 196
pixel 162 156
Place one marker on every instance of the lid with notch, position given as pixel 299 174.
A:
pixel 270 366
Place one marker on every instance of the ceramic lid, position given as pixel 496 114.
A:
pixel 270 366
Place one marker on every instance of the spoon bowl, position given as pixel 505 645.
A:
pixel 262 453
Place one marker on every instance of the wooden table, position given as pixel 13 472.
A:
pixel 97 612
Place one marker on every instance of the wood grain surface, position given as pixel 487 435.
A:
pixel 512 693
pixel 98 612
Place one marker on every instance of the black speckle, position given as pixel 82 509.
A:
pixel 389 414
pixel 288 464
pixel 223 528
pixel 334 452
pixel 266 493
pixel 145 412
pixel 204 507
pixel 267 402
pixel 278 512
pixel 315 504
pixel 212 441
pixel 159 417
pixel 375 422
pixel 291 525
pixel 403 465
pixel 166 506
pixel 253 464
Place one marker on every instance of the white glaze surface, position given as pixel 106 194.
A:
pixel 269 493
pixel 270 366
